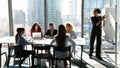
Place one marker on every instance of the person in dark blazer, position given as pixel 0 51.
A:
pixel 96 33
pixel 51 32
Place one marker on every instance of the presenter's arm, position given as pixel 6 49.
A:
pixel 100 20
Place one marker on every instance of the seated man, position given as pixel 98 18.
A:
pixel 51 32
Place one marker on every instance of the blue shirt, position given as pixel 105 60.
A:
pixel 72 34
pixel 22 41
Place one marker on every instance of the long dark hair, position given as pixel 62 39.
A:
pixel 33 27
pixel 19 33
pixel 61 36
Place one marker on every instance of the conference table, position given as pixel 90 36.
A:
pixel 79 42
pixel 45 41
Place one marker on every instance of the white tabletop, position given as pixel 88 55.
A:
pixel 79 41
pixel 11 39
pixel 42 41
pixel 7 39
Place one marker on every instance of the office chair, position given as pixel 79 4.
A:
pixel 39 53
pixel 17 53
pixel 61 49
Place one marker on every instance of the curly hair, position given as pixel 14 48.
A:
pixel 70 27
pixel 98 10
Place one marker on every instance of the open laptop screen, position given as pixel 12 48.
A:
pixel 36 35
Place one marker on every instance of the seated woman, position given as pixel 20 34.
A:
pixel 69 30
pixel 62 40
pixel 35 28
pixel 21 41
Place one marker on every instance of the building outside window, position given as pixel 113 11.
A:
pixel 57 11
pixel 4 21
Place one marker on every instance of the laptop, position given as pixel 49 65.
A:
pixel 36 35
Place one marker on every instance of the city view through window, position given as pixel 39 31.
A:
pixel 57 11
pixel 27 12
pixel 4 22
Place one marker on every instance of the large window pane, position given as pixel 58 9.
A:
pixel 57 11
pixel 4 18
pixel 20 13
pixel 93 3
pixel 100 3
pixel 107 3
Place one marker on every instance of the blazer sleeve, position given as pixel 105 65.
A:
pixel 48 32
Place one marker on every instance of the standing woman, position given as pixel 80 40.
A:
pixel 96 33
pixel 35 28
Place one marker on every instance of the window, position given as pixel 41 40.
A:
pixel 4 21
pixel 20 12
pixel 57 11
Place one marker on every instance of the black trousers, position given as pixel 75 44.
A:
pixel 96 36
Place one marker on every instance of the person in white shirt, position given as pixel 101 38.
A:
pixel 70 31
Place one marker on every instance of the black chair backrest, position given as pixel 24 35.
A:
pixel 18 51
pixel 62 49
pixel 40 47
